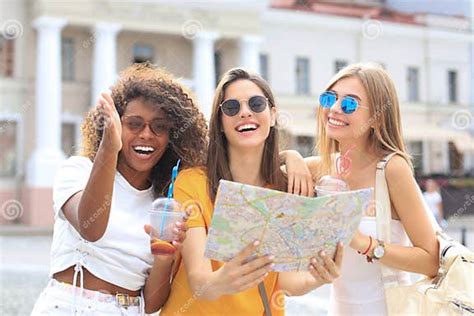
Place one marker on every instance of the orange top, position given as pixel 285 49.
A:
pixel 191 184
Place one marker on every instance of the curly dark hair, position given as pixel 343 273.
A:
pixel 188 135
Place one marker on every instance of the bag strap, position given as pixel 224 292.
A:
pixel 382 198
pixel 383 216
pixel 263 295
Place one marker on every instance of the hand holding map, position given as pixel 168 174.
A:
pixel 289 227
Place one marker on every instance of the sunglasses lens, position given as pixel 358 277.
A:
pixel 134 123
pixel 230 107
pixel 349 105
pixel 257 103
pixel 327 99
pixel 159 127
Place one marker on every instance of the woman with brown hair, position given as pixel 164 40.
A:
pixel 131 141
pixel 243 148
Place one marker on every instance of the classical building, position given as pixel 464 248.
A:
pixel 55 58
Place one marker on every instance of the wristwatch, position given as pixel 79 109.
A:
pixel 379 250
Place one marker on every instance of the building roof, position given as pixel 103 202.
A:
pixel 346 9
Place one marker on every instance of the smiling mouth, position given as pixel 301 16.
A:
pixel 333 121
pixel 246 128
pixel 144 150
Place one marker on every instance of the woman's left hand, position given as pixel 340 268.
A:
pixel 330 270
pixel 300 180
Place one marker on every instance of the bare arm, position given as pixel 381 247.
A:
pixel 158 284
pixel 407 202
pixel 88 211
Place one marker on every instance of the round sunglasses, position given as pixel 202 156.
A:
pixel 348 104
pixel 137 124
pixel 256 103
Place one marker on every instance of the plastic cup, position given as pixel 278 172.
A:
pixel 329 185
pixel 164 214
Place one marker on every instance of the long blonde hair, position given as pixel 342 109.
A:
pixel 385 126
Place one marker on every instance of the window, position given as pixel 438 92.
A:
pixel 339 64
pixel 302 76
pixel 143 53
pixel 264 66
pixel 217 66
pixel 6 57
pixel 415 149
pixel 67 59
pixel 305 145
pixel 413 81
pixel 68 138
pixel 8 143
pixel 453 86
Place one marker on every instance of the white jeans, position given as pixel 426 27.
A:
pixel 64 299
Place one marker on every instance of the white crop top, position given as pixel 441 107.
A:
pixel 122 256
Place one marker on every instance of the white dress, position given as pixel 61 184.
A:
pixel 360 290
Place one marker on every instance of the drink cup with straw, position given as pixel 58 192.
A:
pixel 164 214
pixel 329 185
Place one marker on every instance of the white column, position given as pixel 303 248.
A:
pixel 445 157
pixel 204 70
pixel 105 57
pixel 249 52
pixel 47 153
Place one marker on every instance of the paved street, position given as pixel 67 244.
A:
pixel 24 262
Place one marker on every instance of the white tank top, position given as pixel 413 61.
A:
pixel 360 287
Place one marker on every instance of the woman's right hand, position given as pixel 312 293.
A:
pixel 109 121
pixel 240 274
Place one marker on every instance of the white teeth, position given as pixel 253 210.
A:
pixel 144 148
pixel 336 122
pixel 247 126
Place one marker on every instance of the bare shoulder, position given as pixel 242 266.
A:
pixel 398 170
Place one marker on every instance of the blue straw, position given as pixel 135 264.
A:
pixel 174 174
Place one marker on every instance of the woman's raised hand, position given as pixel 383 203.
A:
pixel 109 121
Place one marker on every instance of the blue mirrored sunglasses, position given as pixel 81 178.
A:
pixel 348 104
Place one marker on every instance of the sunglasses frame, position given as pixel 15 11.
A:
pixel 267 103
pixel 346 108
pixel 123 118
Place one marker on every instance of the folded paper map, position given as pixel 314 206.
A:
pixel 292 228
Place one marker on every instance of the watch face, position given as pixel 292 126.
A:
pixel 379 251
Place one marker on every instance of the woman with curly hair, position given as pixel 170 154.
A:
pixel 131 141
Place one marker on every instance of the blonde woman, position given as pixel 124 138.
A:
pixel 360 111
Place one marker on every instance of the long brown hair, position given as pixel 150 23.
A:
pixel 187 135
pixel 217 157
pixel 385 126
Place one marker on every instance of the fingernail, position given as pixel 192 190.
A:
pixel 313 260
pixel 341 243
pixel 265 275
pixel 311 267
pixel 178 224
pixel 176 230
pixel 256 243
pixel 271 257
pixel 323 253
